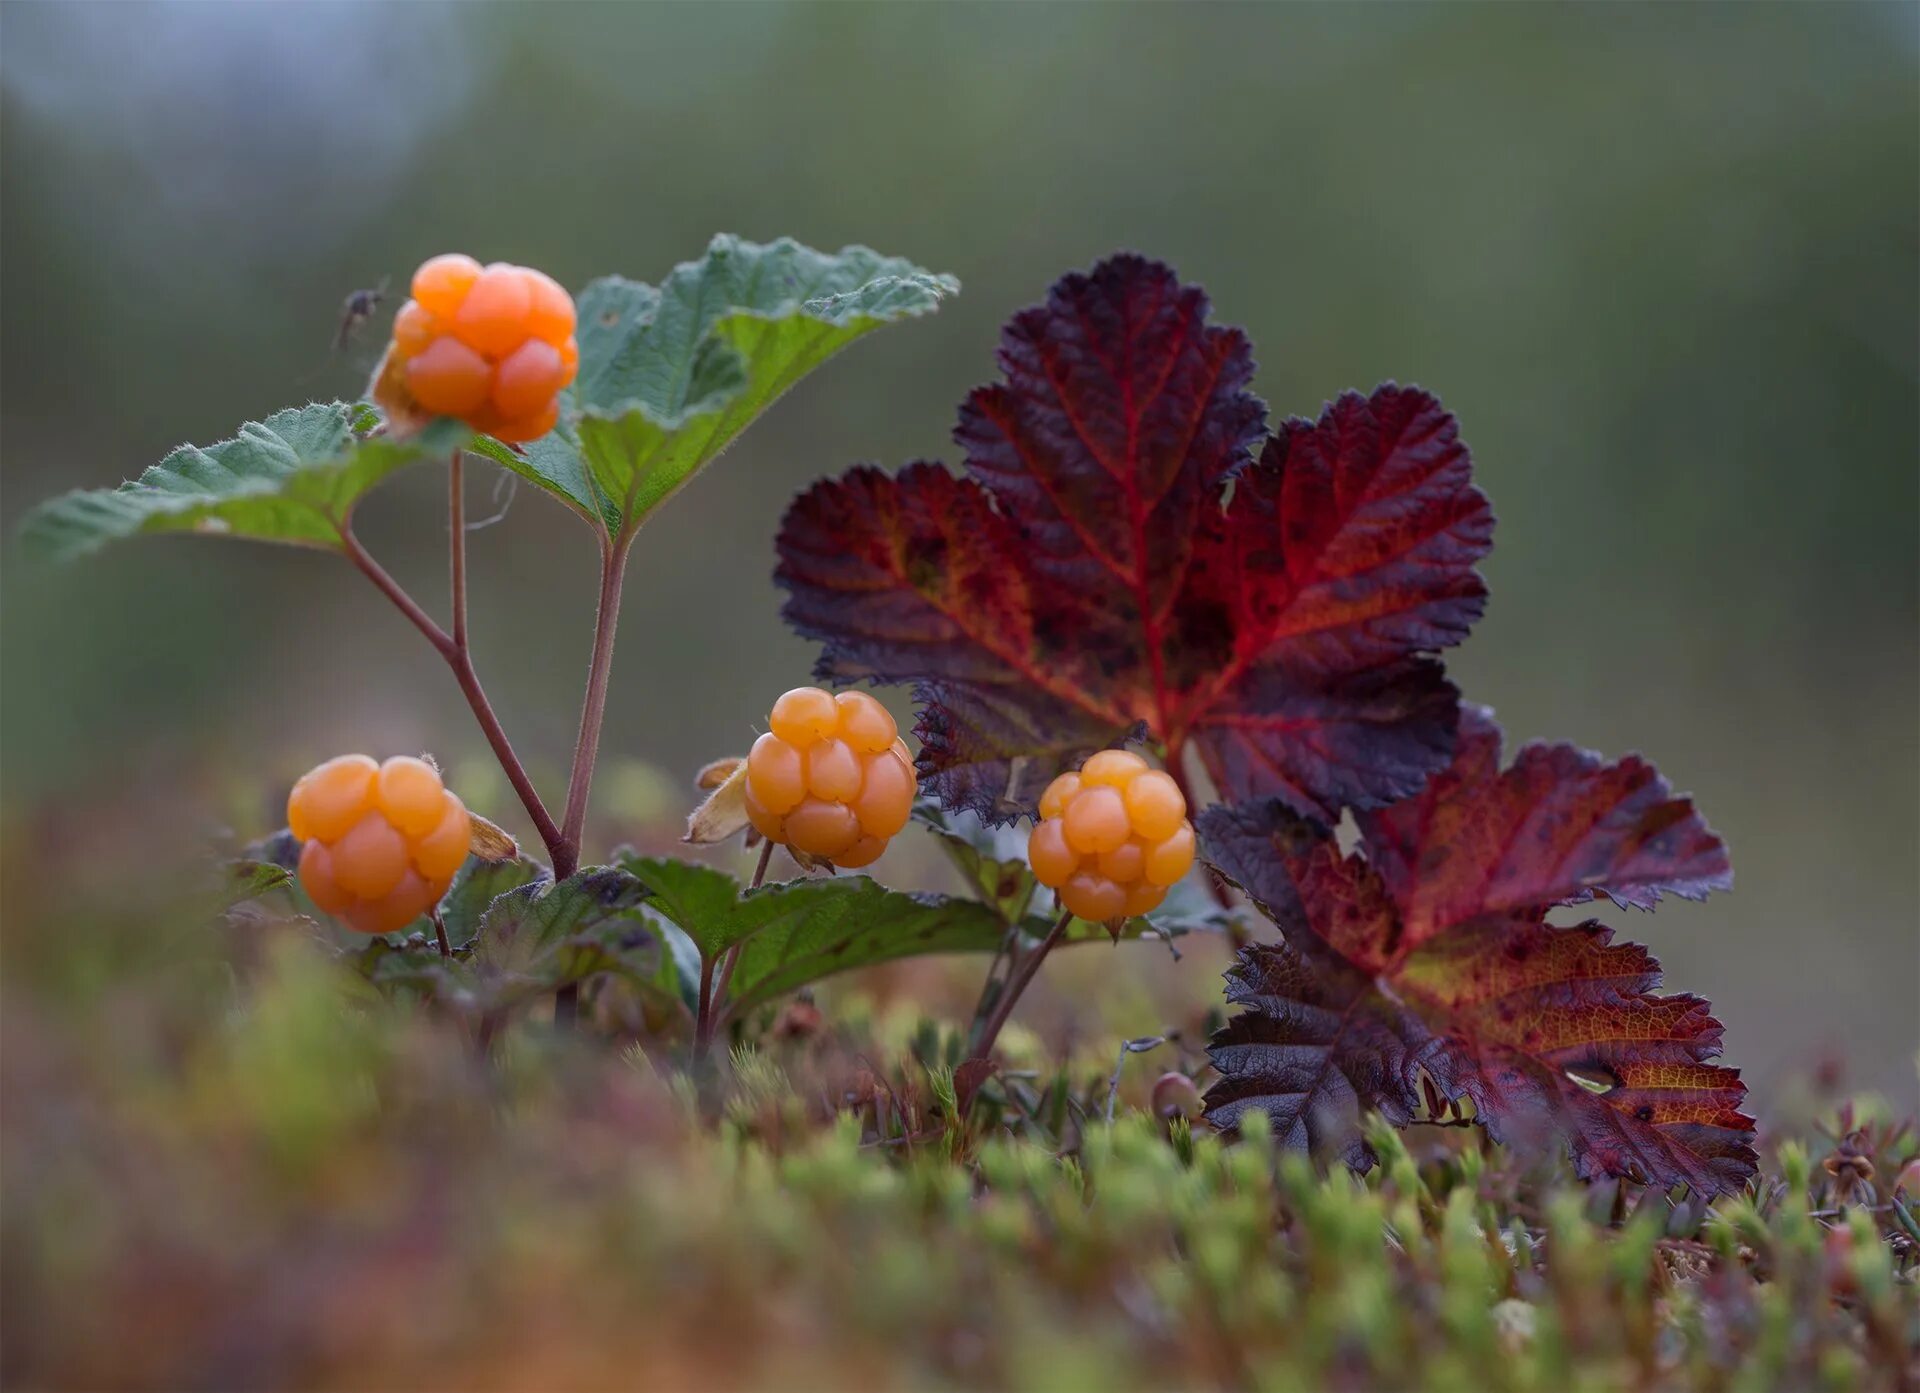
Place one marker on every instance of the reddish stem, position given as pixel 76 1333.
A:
pixel 460 660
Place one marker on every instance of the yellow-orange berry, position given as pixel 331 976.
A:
pixel 442 282
pixel 494 315
pixel 414 327
pixel 1113 767
pixel 448 377
pixel 865 724
pixel 1125 863
pixel 517 430
pixel 885 800
pixel 1111 837
pixel 1096 820
pixel 776 774
pixel 862 853
pixel 527 379
pixel 820 828
pixel 550 316
pixel 442 851
pixel 370 859
pixel 1059 793
pixel 1155 805
pixel 831 778
pixel 491 345
pixel 331 797
pixel 804 715
pixel 410 794
pixel 316 876
pixel 381 842
pixel 766 822
pixel 1172 858
pixel 833 771
pixel 1052 859
pixel 1092 896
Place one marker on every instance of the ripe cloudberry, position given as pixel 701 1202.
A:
pixel 831 778
pixel 1112 837
pixel 380 841
pixel 493 345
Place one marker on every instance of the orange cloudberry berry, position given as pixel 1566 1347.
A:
pixel 831 777
pixel 380 842
pixel 1112 837
pixel 492 345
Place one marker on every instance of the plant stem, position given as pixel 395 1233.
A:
pixel 460 659
pixel 457 548
pixel 713 996
pixel 440 932
pixel 989 995
pixel 586 748
pixel 1016 985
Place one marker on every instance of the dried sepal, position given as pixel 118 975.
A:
pixel 724 813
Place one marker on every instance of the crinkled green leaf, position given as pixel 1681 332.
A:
pixel 543 936
pixel 292 478
pixel 477 884
pixel 669 377
pixel 799 931
pixel 412 967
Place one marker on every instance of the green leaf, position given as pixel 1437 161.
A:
pixel 669 377
pixel 542 936
pixel 293 478
pixel 249 879
pixel 412 967
pixel 702 902
pixel 992 861
pixel 811 929
pixel 476 885
pixel 799 931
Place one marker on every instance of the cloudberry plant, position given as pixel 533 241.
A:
pixel 380 842
pixel 489 345
pixel 1112 838
pixel 629 391
pixel 831 778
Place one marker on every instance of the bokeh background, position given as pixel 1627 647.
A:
pixel 1662 262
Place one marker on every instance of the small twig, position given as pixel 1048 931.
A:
pixel 440 932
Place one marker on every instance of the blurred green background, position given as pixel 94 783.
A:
pixel 1662 261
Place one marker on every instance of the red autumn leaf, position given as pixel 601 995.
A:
pixel 1426 953
pixel 1131 551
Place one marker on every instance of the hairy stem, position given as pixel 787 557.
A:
pixel 1016 985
